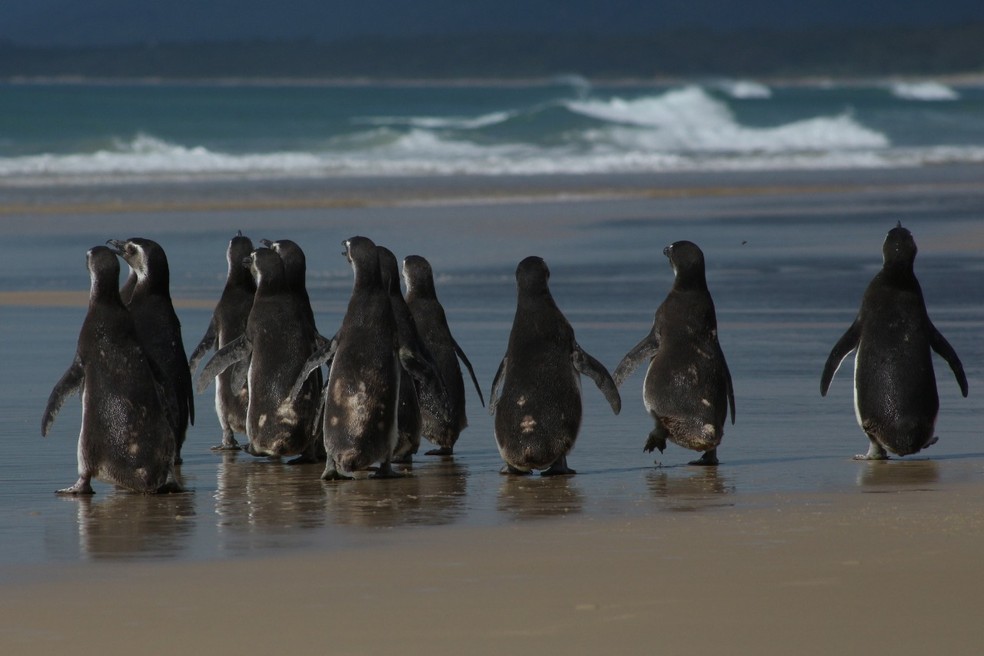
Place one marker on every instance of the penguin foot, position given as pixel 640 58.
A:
pixel 559 468
pixel 512 471
pixel 227 446
pixel 171 487
pixel 443 451
pixel 709 459
pixel 332 474
pixel 303 459
pixel 869 457
pixel 657 440
pixel 82 486
pixel 386 471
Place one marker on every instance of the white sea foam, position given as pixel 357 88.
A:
pixel 440 122
pixel 924 91
pixel 745 89
pixel 684 129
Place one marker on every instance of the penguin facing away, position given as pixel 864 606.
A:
pixel 229 323
pixel 127 436
pixel 895 397
pixel 158 327
pixel 687 389
pixel 536 392
pixel 432 325
pixel 277 342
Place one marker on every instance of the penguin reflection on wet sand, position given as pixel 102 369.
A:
pixel 158 327
pixel 687 388
pixel 538 413
pixel 127 437
pixel 229 323
pixel 277 341
pixel 432 324
pixel 363 391
pixel 895 396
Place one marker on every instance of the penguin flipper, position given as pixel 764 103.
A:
pixel 433 395
pixel 939 344
pixel 225 357
pixel 641 352
pixel 324 351
pixel 208 343
pixel 596 371
pixel 71 381
pixel 464 358
pixel 494 394
pixel 731 387
pixel 847 343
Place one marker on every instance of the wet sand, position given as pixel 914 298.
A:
pixel 897 572
pixel 788 547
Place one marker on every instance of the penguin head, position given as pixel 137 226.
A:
pixel 899 247
pixel 361 253
pixel 104 269
pixel 239 250
pixel 267 268
pixel 145 257
pixel 687 261
pixel 532 275
pixel 295 263
pixel 419 277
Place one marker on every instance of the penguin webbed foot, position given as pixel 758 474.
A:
pixel 81 487
pixel 171 487
pixel 875 452
pixel 331 473
pixel 229 442
pixel 303 459
pixel 656 440
pixel 386 471
pixel 509 470
pixel 405 459
pixel 559 468
pixel 707 459
pixel 443 451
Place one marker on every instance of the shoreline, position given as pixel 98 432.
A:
pixel 824 572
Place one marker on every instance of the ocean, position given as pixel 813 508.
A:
pixel 82 133
pixel 789 191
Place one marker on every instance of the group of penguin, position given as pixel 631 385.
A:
pixel 393 373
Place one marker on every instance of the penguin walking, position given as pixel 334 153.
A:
pixel 228 324
pixel 127 437
pixel 276 344
pixel 158 327
pixel 688 388
pixel 538 409
pixel 895 397
pixel 432 324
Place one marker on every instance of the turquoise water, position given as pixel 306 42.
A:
pixel 75 133
pixel 786 270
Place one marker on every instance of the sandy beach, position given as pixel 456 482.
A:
pixel 788 547
pixel 896 572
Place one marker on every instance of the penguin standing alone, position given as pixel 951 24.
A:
pixel 688 388
pixel 895 396
pixel 538 414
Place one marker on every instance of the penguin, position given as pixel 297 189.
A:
pixel 688 389
pixel 277 341
pixel 295 268
pixel 538 411
pixel 158 327
pixel 127 437
pixel 432 324
pixel 228 323
pixel 895 397
pixel 363 391
pixel 434 399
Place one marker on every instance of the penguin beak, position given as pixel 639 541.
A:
pixel 346 251
pixel 117 246
pixel 267 243
pixel 667 251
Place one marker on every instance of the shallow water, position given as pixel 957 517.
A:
pixel 787 271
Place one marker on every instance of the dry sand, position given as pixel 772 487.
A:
pixel 894 572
